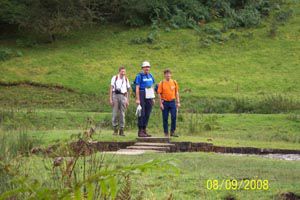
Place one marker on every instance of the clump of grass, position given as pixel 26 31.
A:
pixel 198 123
pixel 242 105
pixel 151 38
pixel 283 16
pixel 208 105
pixel 211 35
pixel 25 143
pixel 125 191
pixel 26 42
pixel 7 53
pixel 12 147
pixel 280 18
pixel 130 118
pixel 294 117
pixel 276 104
pixel 273 30
pixel 266 105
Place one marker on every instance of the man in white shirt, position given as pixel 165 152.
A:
pixel 119 99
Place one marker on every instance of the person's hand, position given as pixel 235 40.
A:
pixel 138 102
pixel 138 111
pixel 111 102
pixel 178 105
pixel 153 102
pixel 161 106
pixel 127 103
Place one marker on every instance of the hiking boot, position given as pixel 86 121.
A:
pixel 121 132
pixel 173 134
pixel 148 135
pixel 115 130
pixel 141 133
pixel 166 134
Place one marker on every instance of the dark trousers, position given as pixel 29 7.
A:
pixel 169 107
pixel 146 110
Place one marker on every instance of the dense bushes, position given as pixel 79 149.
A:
pixel 187 13
pixel 52 17
pixel 280 18
pixel 247 17
pixel 5 54
pixel 48 17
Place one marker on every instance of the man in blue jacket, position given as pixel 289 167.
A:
pixel 144 97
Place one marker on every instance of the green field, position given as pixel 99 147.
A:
pixel 243 92
pixel 194 169
pixel 256 130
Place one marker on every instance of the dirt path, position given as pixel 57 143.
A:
pixel 289 157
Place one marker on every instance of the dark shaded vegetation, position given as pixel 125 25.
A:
pixel 52 18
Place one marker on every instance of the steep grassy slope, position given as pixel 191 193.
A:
pixel 251 65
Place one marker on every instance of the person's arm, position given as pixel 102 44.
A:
pixel 159 90
pixel 153 100
pixel 177 98
pixel 137 89
pixel 128 93
pixel 137 95
pixel 127 96
pixel 110 96
pixel 111 102
pixel 160 102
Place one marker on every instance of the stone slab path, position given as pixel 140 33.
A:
pixel 148 145
pixel 132 152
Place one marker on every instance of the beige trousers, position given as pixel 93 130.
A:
pixel 119 108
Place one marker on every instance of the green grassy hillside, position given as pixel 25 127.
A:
pixel 252 65
pixel 86 61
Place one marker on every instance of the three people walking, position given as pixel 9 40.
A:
pixel 168 93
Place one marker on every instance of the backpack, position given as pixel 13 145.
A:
pixel 133 85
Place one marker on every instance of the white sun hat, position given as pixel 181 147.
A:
pixel 146 64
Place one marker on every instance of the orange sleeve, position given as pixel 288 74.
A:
pixel 159 90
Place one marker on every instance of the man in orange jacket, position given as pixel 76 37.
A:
pixel 168 92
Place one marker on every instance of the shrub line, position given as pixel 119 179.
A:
pixel 36 84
